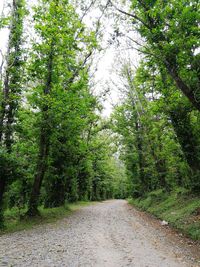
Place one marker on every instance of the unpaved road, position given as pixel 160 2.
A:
pixel 110 234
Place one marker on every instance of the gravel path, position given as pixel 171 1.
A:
pixel 110 234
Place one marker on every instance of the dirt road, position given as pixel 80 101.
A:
pixel 110 234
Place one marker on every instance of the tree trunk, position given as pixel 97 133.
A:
pixel 143 183
pixel 40 172
pixel 160 168
pixel 5 94
pixel 169 61
pixel 188 92
pixel 45 132
pixel 2 189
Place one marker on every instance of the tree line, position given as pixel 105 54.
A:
pixel 158 121
pixel 54 145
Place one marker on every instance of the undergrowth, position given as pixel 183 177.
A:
pixel 179 208
pixel 15 219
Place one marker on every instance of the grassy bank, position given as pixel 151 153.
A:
pixel 16 221
pixel 179 208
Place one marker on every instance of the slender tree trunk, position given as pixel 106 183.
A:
pixel 9 130
pixel 143 183
pixel 5 94
pixel 2 189
pixel 45 132
pixel 160 168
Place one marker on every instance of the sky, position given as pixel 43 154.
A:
pixel 4 32
pixel 105 63
pixel 111 60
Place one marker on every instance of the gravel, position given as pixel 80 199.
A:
pixel 110 234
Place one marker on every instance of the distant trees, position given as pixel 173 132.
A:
pixel 160 144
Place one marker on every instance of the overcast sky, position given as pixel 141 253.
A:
pixel 107 61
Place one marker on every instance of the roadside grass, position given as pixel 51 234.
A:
pixel 179 208
pixel 16 221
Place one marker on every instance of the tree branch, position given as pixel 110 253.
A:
pixel 129 14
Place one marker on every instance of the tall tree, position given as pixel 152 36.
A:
pixel 13 73
pixel 12 87
pixel 59 67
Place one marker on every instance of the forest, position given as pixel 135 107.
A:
pixel 55 145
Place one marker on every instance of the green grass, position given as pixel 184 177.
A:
pixel 16 221
pixel 179 209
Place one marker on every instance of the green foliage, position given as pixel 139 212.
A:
pixel 164 25
pixel 62 150
pixel 10 97
pixel 157 122
pixel 55 148
pixel 156 128
pixel 179 208
pixel 15 219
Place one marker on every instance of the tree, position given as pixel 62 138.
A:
pixel 164 25
pixel 58 68
pixel 150 149
pixel 12 87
